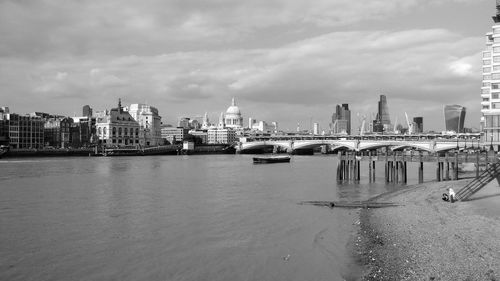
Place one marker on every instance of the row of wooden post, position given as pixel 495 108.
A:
pixel 396 171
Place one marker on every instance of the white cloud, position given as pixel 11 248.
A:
pixel 195 55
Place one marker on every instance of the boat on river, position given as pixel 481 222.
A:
pixel 271 159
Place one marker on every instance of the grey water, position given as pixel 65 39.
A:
pixel 213 217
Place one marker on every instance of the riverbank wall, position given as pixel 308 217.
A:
pixel 427 238
pixel 201 149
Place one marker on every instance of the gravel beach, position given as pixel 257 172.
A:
pixel 430 239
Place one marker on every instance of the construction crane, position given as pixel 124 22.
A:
pixel 362 120
pixel 362 129
pixel 334 126
pixel 410 125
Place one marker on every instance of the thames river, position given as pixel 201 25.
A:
pixel 213 217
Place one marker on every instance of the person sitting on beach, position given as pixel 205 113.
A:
pixel 451 194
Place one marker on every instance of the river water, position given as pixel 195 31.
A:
pixel 211 217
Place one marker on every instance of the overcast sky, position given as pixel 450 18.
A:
pixel 289 61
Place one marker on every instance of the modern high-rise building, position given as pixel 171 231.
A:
pixel 341 119
pixel 454 117
pixel 316 129
pixel 382 122
pixel 418 125
pixel 87 111
pixel 490 90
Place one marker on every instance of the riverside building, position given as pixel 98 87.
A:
pixel 24 131
pixel 117 127
pixel 490 90
pixel 149 123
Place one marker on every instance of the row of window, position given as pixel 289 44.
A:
pixel 489 69
pixel 492 121
pixel 493 76
pixel 124 131
pixel 496 59
pixel 124 141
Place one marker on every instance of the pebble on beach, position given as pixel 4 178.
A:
pixel 427 238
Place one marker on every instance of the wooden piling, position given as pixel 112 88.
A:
pixel 477 164
pixel 438 170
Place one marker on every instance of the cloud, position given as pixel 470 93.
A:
pixel 275 56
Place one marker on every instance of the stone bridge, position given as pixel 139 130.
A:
pixel 431 146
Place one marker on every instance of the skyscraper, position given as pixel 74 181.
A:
pixel 490 90
pixel 454 116
pixel 383 121
pixel 418 125
pixel 87 111
pixel 341 119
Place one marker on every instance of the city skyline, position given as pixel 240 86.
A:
pixel 285 62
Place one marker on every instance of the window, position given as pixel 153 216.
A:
pixel 114 131
pixel 496 30
pixel 494 96
pixel 495 105
pixel 496 68
pixel 99 131
pixel 495 76
pixel 485 91
pixel 126 131
pixel 486 69
pixel 486 77
pixel 486 99
pixel 486 84
pixel 488 54
pixel 486 107
pixel 104 130
pixel 495 86
pixel 496 59
pixel 120 131
pixel 496 49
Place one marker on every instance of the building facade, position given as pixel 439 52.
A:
pixel 149 123
pixel 83 131
pixel 4 126
pixel 454 116
pixel 117 127
pixel 418 125
pixel 382 122
pixel 25 131
pixel 341 120
pixel 57 132
pixel 174 134
pixel 221 136
pixel 490 90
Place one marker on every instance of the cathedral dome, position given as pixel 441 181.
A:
pixel 233 109
pixel 232 118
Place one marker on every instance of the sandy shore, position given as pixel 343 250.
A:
pixel 429 239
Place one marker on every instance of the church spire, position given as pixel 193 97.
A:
pixel 120 109
pixel 233 103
